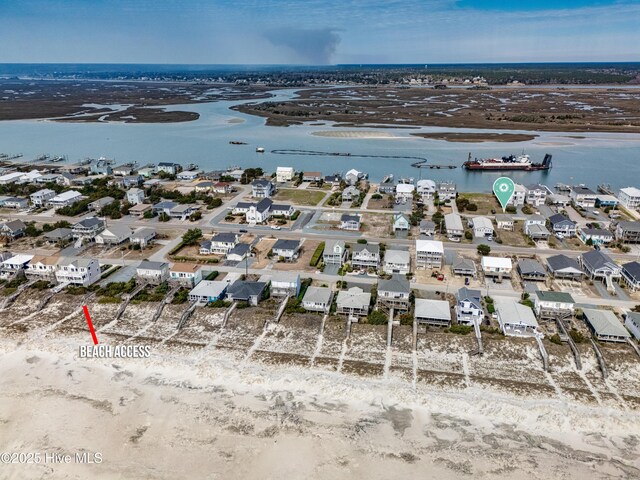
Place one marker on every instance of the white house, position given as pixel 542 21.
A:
pixel 284 174
pixel 404 191
pixel 519 196
pixel 429 254
pixel 632 322
pixel 553 305
pixel 14 264
pixel 582 196
pixel 350 222
pixel 365 256
pixel 426 188
pixel 188 175
pixel 334 253
pixel 631 275
pixel 208 291
pixel 142 236
pixel 152 272
pixel 220 243
pixel 114 235
pixel 496 266
pixel 595 236
pixel 536 195
pixel 469 307
pixel 395 294
pixel 64 199
pixel 41 197
pixel 135 196
pixel 287 249
pixel 453 224
pixel 629 197
pixel 515 319
pixel 168 167
pixel 282 283
pixel 482 227
pixel 80 271
pixel 446 191
pixel 397 261
pixel 505 222
pixel 254 212
pixel 42 267
pixel 262 188
pixel 317 299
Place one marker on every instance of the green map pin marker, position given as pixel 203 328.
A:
pixel 503 189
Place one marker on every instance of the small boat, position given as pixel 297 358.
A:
pixel 235 142
pixel 260 149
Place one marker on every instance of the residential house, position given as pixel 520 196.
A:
pixel 387 188
pixel 629 197
pixel 101 166
pixel 561 224
pixel 531 220
pixel 88 228
pixel 11 177
pixel 353 176
pixel 123 170
pixel 400 222
pixel 208 291
pixel 140 209
pixel 394 294
pixel 284 174
pixel 397 261
pixel 604 201
pixel 553 305
pixel 427 228
pixel 188 175
pixel 496 267
pixel 446 191
pixel 142 236
pixel 59 235
pixel 282 283
pixel 47 178
pixel 628 232
pixel 79 271
pixel 42 267
pixel 364 256
pixel 350 193
pixel 482 227
pixel 135 196
pixel 152 272
pixel 432 312
pixel 286 249
pixel 333 180
pixel 311 176
pixel 65 179
pixel 604 325
pixel 12 229
pixel 183 212
pixel 582 196
pixel 354 301
pixel 245 291
pixel 531 270
pixel 186 274
pixel 429 254
pixel 536 195
pixel 599 266
pixel 335 252
pixel 350 222
pixel 204 186
pixel 65 199
pixel 469 309
pixel 558 200
pixel 453 225
pixel 255 212
pixel 100 203
pixel 519 195
pixel 515 319
pixel 317 299
pixel 632 322
pixel 595 236
pixel 505 222
pixel 42 197
pixel 426 189
pixel 114 235
pixel 631 275
pixel 563 267
pixel 220 243
pixel 14 265
pixel 147 172
pixel 404 191
pixel 168 167
pixel 222 188
pixel 262 188
pixel 464 267
pixel 537 232
pixel 16 203
pixel 281 210
pixel 239 252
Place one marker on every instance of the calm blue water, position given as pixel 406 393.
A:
pixel 599 158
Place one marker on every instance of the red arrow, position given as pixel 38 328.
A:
pixel 90 323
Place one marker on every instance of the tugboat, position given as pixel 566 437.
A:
pixel 512 162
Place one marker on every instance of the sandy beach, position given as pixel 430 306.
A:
pixel 354 134
pixel 233 403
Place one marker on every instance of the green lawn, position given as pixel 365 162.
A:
pixel 300 197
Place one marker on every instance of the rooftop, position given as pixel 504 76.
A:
pixel 605 322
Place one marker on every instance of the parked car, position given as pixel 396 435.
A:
pixel 466 280
pixel 243 230
pixel 275 227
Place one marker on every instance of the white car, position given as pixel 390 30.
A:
pixel 275 227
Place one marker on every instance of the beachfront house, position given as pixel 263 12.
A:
pixel 536 195
pixel 404 191
pixel 79 271
pixel 349 193
pixel 469 306
pixel 169 167
pixel 632 322
pixel 604 325
pixel 185 274
pixel 152 272
pixel 317 299
pixel 631 275
pixel 432 312
pixel 515 319
pixel 353 302
pixel 395 294
pixel 446 191
pixel 426 189
pixel 282 283
pixel 42 267
pixel 599 266
pixel 553 305
pixel 208 291
pixel 582 196
pixel 246 291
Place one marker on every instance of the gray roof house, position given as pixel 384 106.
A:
pixel 432 312
pixel 350 222
pixel 604 325
pixel 59 234
pixel 561 266
pixel 335 252
pixel 600 266
pixel 397 261
pixel 631 275
pixel 469 306
pixel 287 249
pixel 244 291
pixel 365 256
pixel 354 301
pixel 394 294
pixel 464 267
pixel 12 228
pixel 531 270
pixel 317 299
pixel 427 227
pixel 152 272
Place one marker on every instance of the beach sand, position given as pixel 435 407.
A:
pixel 242 402
pixel 354 134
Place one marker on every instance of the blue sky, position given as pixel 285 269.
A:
pixel 318 31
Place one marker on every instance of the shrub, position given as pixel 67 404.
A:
pixel 577 336
pixel 472 207
pixel 362 241
pixel 468 235
pixel 555 339
pixel 484 249
pixel 461 329
pixel 295 215
pixel 317 255
pixel 377 318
